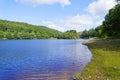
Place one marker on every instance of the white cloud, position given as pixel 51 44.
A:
pixel 78 23
pixel 100 7
pixel 79 19
pixel 98 23
pixel 49 2
pixel 52 25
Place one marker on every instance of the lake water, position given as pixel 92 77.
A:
pixel 42 59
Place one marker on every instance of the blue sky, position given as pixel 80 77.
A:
pixel 57 14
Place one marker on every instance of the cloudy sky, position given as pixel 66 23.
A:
pixel 57 14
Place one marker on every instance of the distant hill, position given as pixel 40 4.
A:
pixel 21 30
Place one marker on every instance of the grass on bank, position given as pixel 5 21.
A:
pixel 105 63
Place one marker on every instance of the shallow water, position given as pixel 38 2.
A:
pixel 42 59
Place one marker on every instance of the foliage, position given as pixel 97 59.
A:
pixel 71 34
pixel 111 25
pixel 99 31
pixel 20 30
pixel 89 34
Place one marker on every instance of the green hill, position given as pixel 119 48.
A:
pixel 20 30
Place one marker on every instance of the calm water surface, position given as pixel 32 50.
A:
pixel 42 59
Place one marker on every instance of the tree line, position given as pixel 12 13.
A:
pixel 20 30
pixel 110 29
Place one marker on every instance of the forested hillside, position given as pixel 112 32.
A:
pixel 20 30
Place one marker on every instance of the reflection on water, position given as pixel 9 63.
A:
pixel 42 59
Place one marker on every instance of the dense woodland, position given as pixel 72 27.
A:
pixel 20 30
pixel 110 29
pixel 71 34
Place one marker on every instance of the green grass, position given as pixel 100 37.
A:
pixel 105 63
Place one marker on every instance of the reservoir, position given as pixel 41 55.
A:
pixel 42 59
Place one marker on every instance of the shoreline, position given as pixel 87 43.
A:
pixel 104 64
